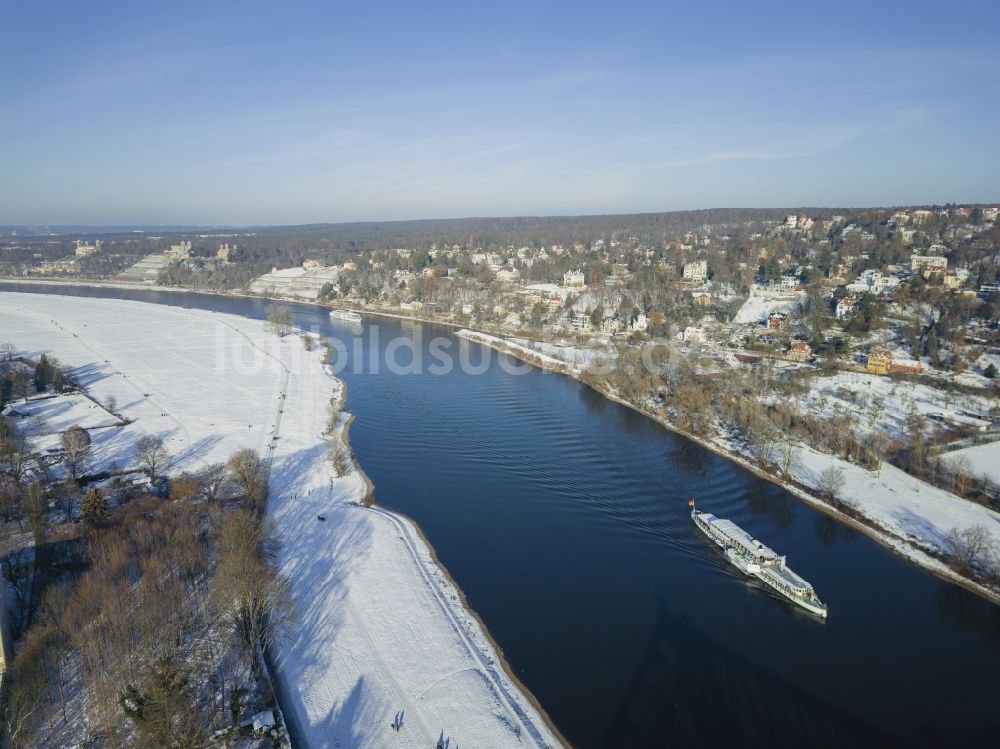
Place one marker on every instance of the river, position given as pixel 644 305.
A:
pixel 563 517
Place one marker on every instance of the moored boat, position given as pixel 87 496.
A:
pixel 754 559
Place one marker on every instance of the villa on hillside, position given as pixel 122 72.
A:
pixel 879 362
pixel 799 352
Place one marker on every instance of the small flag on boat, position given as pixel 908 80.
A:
pixel 690 503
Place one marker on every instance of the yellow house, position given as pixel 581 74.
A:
pixel 879 362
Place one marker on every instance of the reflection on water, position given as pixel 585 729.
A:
pixel 971 612
pixel 829 531
pixel 664 703
pixel 764 499
pixel 563 517
pixel 691 457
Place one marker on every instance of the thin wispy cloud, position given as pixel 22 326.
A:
pixel 263 114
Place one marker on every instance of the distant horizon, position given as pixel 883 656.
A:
pixel 180 226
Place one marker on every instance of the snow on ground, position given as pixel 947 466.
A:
pixel 885 404
pixel 511 345
pixel 167 382
pixel 762 303
pixel 580 357
pixel 55 414
pixel 984 460
pixel 898 502
pixel 380 628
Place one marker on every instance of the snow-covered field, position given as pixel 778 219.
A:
pixel 984 460
pixel 762 303
pixel 380 628
pixel 54 414
pixel 898 502
pixel 884 404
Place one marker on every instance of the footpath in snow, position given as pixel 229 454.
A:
pixel 381 630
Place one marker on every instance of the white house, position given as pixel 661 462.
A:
pixel 696 270
pixel 612 325
pixel 874 282
pixel 641 323
pixel 691 334
pixel 845 307
pixel 928 264
pixel 574 279
pixel 508 275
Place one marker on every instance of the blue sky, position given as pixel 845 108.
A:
pixel 266 113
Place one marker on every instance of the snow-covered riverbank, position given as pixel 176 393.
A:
pixel 381 629
pixel 907 515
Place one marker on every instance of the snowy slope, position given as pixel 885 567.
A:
pixel 984 460
pixel 762 303
pixel 380 628
pixel 899 502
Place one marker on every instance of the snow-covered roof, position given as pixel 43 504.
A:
pixel 263 720
pixel 743 539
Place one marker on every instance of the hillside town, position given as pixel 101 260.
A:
pixel 881 323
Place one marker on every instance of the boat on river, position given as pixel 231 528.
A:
pixel 345 314
pixel 754 559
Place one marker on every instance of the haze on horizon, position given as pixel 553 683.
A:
pixel 252 113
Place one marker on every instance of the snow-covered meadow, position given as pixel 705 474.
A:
pixel 380 627
pixel 762 302
pixel 884 405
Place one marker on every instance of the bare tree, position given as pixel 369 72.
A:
pixel 763 441
pixel 786 457
pixel 36 507
pixel 961 475
pixel 151 455
pixel 16 457
pixel 341 457
pixel 66 494
pixel 970 547
pixel 248 470
pixel 187 488
pixel 19 571
pixel 831 482
pixel 213 478
pixel 248 592
pixel 21 385
pixel 76 445
pixel 7 351
pixel 279 319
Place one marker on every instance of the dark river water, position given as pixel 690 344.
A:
pixel 563 517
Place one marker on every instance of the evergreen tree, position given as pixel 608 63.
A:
pixel 931 347
pixel 163 714
pixel 43 373
pixel 95 506
pixel 235 708
pixel 597 316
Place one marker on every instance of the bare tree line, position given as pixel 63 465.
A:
pixel 175 598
